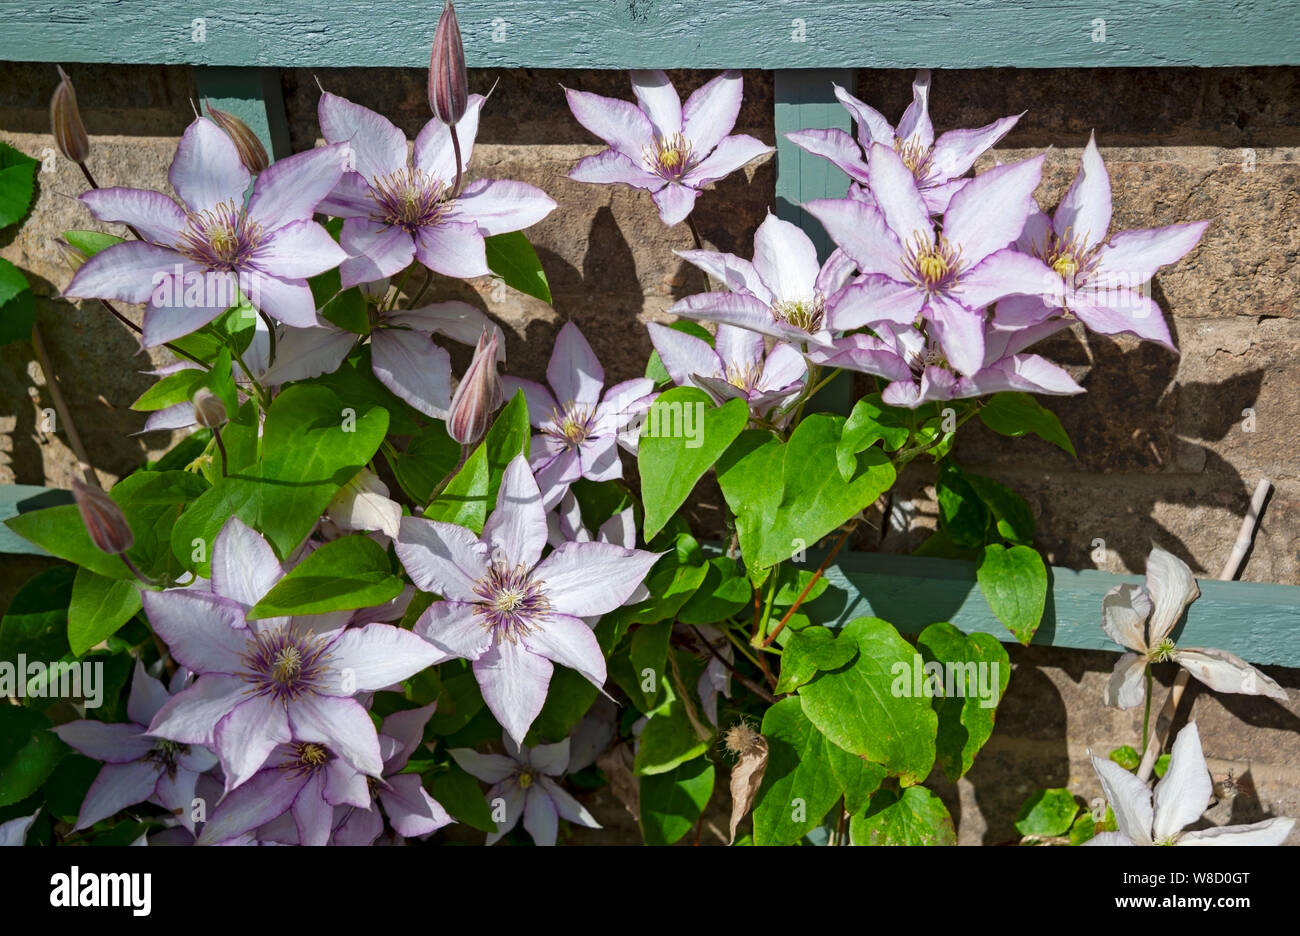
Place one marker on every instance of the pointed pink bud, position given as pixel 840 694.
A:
pixel 209 410
pixel 448 83
pixel 251 151
pixel 65 121
pixel 479 394
pixel 104 520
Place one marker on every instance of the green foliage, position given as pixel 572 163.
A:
pixel 1014 414
pixel 346 573
pixel 1014 583
pixel 671 802
pixel 512 257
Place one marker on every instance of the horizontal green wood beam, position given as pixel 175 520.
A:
pixel 619 34
pixel 1258 622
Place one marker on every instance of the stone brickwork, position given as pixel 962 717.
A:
pixel 1165 457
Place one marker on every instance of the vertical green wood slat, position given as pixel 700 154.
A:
pixel 254 96
pixel 806 100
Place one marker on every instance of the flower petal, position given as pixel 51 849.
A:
pixel 956 151
pixel 1129 798
pixel 568 807
pixel 267 795
pixel 991 209
pixel 1184 792
pixel 453 248
pixel 129 271
pixel 148 695
pixel 674 202
pixel 434 152
pixel 110 743
pixel 610 167
pixel 1126 688
pixel 204 632
pixel 915 125
pixel 514 683
pixel 837 146
pixel 153 214
pixel 206 170
pixel 244 567
pixel 659 101
pixel 500 206
pixel 517 526
pixel 405 729
pixel 459 321
pixel 894 188
pixel 861 232
pixel 192 714
pixel 540 818
pixel 441 557
pixel 731 154
pixel 307 352
pixel 342 725
pixel 786 260
pixel 621 124
pixel 490 768
pixel 455 629
pixel 1226 672
pixel 1124 613
pixel 1172 588
pixel 570 642
pixel 587 579
pixel 512 799
pixel 378 147
pixel 541 404
pixel 245 738
pixel 573 372
pixel 285 300
pixel 683 355
pixel 872 299
pixel 959 331
pixel 299 249
pixel 369 658
pixel 411 810
pixel 1134 256
pixel 710 112
pixel 1121 310
pixel 350 198
pixel 116 787
pixel 1006 272
pixel 291 188
pixel 1084 212
pixel 413 367
pixel 1269 832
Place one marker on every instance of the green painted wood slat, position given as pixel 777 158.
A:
pixel 619 34
pixel 1258 622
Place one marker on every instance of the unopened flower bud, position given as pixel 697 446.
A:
pixel 65 121
pixel 251 151
pixel 70 255
pixel 209 410
pixel 104 520
pixel 448 83
pixel 479 394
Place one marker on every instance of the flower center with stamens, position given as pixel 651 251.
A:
pixel 408 198
pixel 931 266
pixel 513 604
pixel 307 757
pixel 670 157
pixel 285 663
pixel 573 425
pixel 525 779
pixel 1067 256
pixel 806 314
pixel 1161 651
pixel 915 156
pixel 167 754
pixel 220 238
pixel 744 377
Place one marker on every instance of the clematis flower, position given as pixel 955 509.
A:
pixel 947 279
pixel 580 427
pixel 783 292
pixel 1141 619
pixel 1097 279
pixel 524 782
pixel 564 525
pixel 396 210
pixel 290 800
pixel 199 256
pixel 411 811
pixel 736 365
pixel 658 144
pixel 936 165
pixel 137 768
pixel 1181 796
pixel 274 681
pixel 511 614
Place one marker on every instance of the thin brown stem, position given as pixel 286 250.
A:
pixel 821 569
pixel 749 684
pixel 455 145
pixel 428 278
pixel 216 434
pixel 61 407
